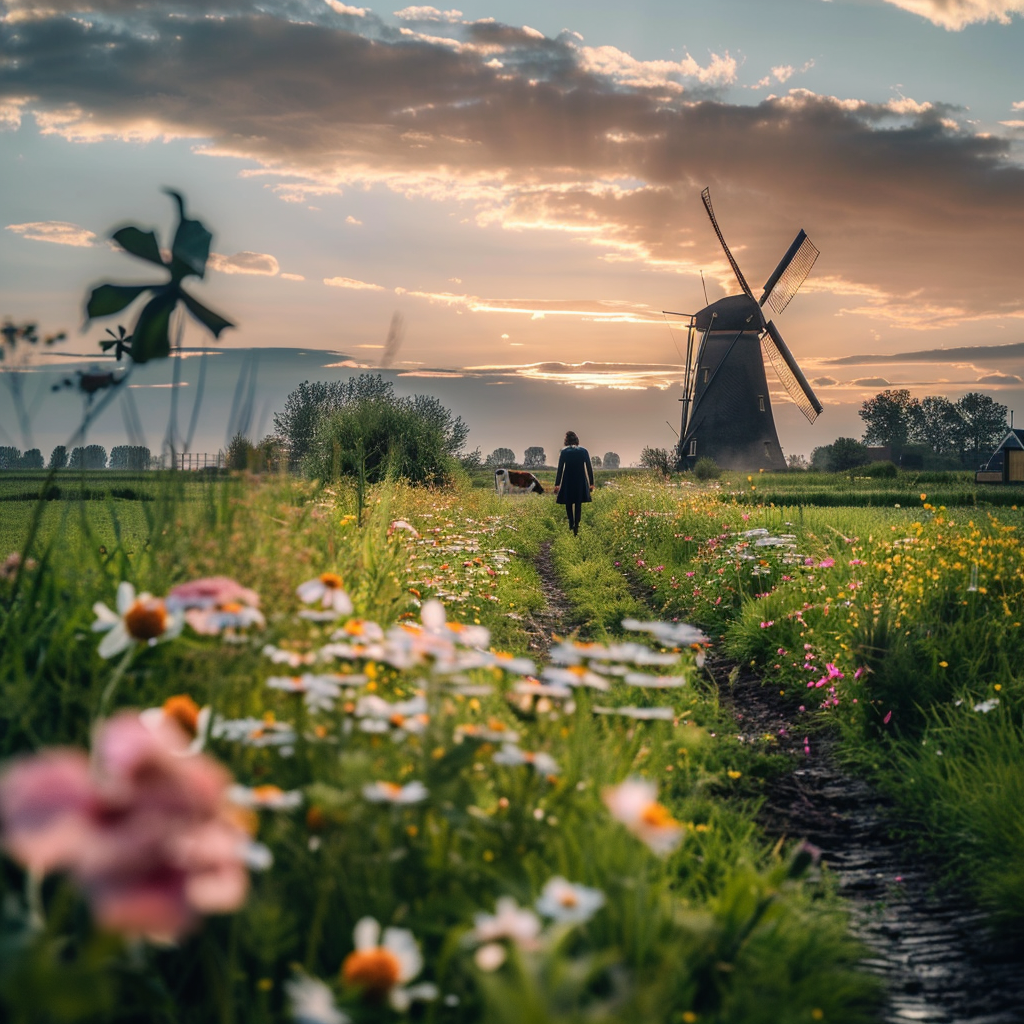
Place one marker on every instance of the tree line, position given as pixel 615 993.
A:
pixel 93 456
pixel 933 432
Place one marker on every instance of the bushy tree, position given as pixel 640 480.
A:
pixel 534 458
pixel 93 456
pixel 706 469
pixel 133 457
pixel 10 457
pixel 58 458
pixel 240 452
pixel 797 461
pixel 453 428
pixel 472 460
pixel 892 418
pixel 378 438
pixel 984 426
pixel 32 459
pixel 595 461
pixel 940 426
pixel 501 458
pixel 842 454
pixel 611 460
pixel 657 459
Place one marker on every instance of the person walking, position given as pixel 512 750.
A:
pixel 574 479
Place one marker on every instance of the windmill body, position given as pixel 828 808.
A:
pixel 730 415
pixel 727 411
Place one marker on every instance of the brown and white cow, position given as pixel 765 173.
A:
pixel 516 481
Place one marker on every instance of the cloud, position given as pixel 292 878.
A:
pixel 352 220
pixel 61 232
pixel 955 15
pixel 824 382
pixel 351 282
pixel 427 14
pixel 245 263
pixel 913 209
pixel 871 382
pixel 958 355
pixel 292 277
pixel 340 8
pixel 1001 378
pixel 587 375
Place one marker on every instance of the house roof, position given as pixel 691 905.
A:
pixel 1014 439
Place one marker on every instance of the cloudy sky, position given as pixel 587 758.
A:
pixel 521 181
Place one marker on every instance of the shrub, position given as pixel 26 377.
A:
pixel 657 459
pixel 376 439
pixel 706 469
pixel 881 470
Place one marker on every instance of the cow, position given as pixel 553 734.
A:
pixel 516 481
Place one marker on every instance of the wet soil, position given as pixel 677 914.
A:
pixel 929 942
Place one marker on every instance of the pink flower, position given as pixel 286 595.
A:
pixel 768 624
pixel 148 835
pixel 888 718
pixel 211 592
pixel 833 672
pixel 826 563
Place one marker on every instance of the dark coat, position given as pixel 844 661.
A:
pixel 575 475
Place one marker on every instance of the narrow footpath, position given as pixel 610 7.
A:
pixel 940 962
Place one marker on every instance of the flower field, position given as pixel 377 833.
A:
pixel 900 627
pixel 264 762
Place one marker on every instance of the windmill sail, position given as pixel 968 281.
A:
pixel 706 197
pixel 791 272
pixel 792 377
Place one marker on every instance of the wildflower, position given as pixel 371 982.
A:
pixel 139 619
pixel 768 624
pixel 180 712
pixel 511 921
pixel 402 524
pixel 216 603
pixel 149 836
pixel 641 714
pixel 634 803
pixel 312 1002
pixel 569 903
pixel 494 732
pixel 254 732
pixel 270 797
pixel 490 957
pixel 826 563
pixel 986 706
pixel 392 793
pixel 513 756
pixel 888 718
pixel 575 675
pixel 229 616
pixel 319 692
pixel 380 971
pixel 327 589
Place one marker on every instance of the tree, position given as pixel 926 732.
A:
pixel 9 457
pixel 656 459
pixel 454 429
pixel 891 418
pixel 58 458
pixel 844 453
pixel 797 462
pixel 984 425
pixel 611 460
pixel 534 458
pixel 32 459
pixel 472 460
pixel 940 426
pixel 240 452
pixel 94 456
pixel 501 457
pixel 134 457
pixel 595 461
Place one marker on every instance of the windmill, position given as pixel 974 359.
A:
pixel 727 411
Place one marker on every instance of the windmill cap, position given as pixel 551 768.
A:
pixel 733 313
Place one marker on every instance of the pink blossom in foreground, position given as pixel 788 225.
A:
pixel 148 835
pixel 211 592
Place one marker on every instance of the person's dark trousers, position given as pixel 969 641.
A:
pixel 573 511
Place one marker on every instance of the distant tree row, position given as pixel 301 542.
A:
pixel 534 458
pixel 93 456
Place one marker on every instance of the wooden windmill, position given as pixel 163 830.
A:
pixel 727 411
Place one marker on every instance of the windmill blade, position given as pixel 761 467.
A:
pixel 792 377
pixel 706 198
pixel 791 272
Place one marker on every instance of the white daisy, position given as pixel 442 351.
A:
pixel 269 797
pixel 511 921
pixel 312 1002
pixel 380 969
pixel 138 619
pixel 634 803
pixel 569 903
pixel 327 590
pixel 392 793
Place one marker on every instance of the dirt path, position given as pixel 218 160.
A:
pixel 557 611
pixel 930 944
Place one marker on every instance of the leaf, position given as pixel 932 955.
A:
pixel 191 247
pixel 139 243
pixel 108 299
pixel 151 339
pixel 214 322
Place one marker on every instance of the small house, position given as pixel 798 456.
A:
pixel 1006 466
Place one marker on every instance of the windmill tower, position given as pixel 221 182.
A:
pixel 727 411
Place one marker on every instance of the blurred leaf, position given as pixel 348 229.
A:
pixel 108 299
pixel 151 339
pixel 191 247
pixel 214 322
pixel 139 243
